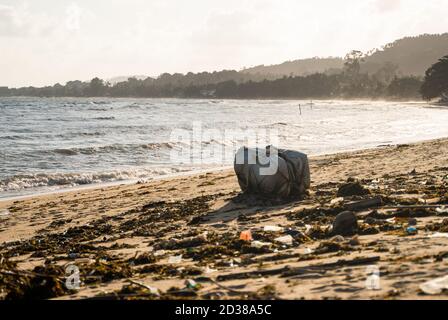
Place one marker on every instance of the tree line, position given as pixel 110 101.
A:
pixel 350 83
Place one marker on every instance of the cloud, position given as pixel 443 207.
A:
pixel 11 23
pixel 230 29
pixel 16 21
pixel 384 6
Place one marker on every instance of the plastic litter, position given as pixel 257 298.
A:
pixel 246 235
pixel 208 270
pixel 259 244
pixel 308 251
pixel 442 210
pixel 191 284
pixel 435 286
pixel 285 240
pixel 308 228
pixel 73 255
pixel 159 253
pixel 272 228
pixel 175 259
pixel 439 235
pixel 154 291
pixel 411 230
pixel 336 200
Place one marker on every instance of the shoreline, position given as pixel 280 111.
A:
pixel 366 99
pixel 133 233
pixel 106 184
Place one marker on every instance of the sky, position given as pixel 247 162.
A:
pixel 43 42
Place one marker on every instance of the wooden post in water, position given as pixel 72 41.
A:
pixel 300 109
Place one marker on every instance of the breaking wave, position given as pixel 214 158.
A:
pixel 21 182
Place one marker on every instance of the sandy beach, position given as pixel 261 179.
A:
pixel 127 240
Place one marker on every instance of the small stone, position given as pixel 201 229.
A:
pixel 354 241
pixel 345 224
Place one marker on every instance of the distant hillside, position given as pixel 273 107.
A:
pixel 411 56
pixel 297 67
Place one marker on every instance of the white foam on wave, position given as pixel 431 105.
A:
pixel 20 182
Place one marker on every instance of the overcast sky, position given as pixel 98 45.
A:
pixel 47 41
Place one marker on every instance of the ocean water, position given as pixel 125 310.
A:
pixel 47 144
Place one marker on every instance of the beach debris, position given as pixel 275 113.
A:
pixel 173 244
pixel 337 201
pixel 260 244
pixel 364 204
pixel 152 290
pixel 144 258
pixel 175 259
pixel 159 253
pixel 442 209
pixel 208 270
pixel 345 224
pixel 354 241
pixel 352 188
pixel 439 235
pixel 246 235
pixel 285 240
pixel 191 284
pixel 412 222
pixel 308 251
pixel 438 226
pixel 435 286
pixel 73 255
pixel 394 250
pixel 4 212
pixel 411 230
pixel 272 229
pixel 337 238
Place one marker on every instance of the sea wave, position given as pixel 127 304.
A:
pixel 27 181
pixel 132 148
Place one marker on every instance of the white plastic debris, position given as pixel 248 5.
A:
pixel 442 210
pixel 336 200
pixel 154 291
pixel 308 228
pixel 439 235
pixel 175 259
pixel 191 284
pixel 259 244
pixel 208 270
pixel 435 286
pixel 308 251
pixel 285 240
pixel 272 228
pixel 159 253
pixel 4 212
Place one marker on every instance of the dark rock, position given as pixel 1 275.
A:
pixel 345 224
pixel 352 189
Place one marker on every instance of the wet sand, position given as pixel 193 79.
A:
pixel 125 238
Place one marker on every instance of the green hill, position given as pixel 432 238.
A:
pixel 409 56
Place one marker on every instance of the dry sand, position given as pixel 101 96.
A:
pixel 122 237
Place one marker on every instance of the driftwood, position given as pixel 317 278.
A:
pixel 364 204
